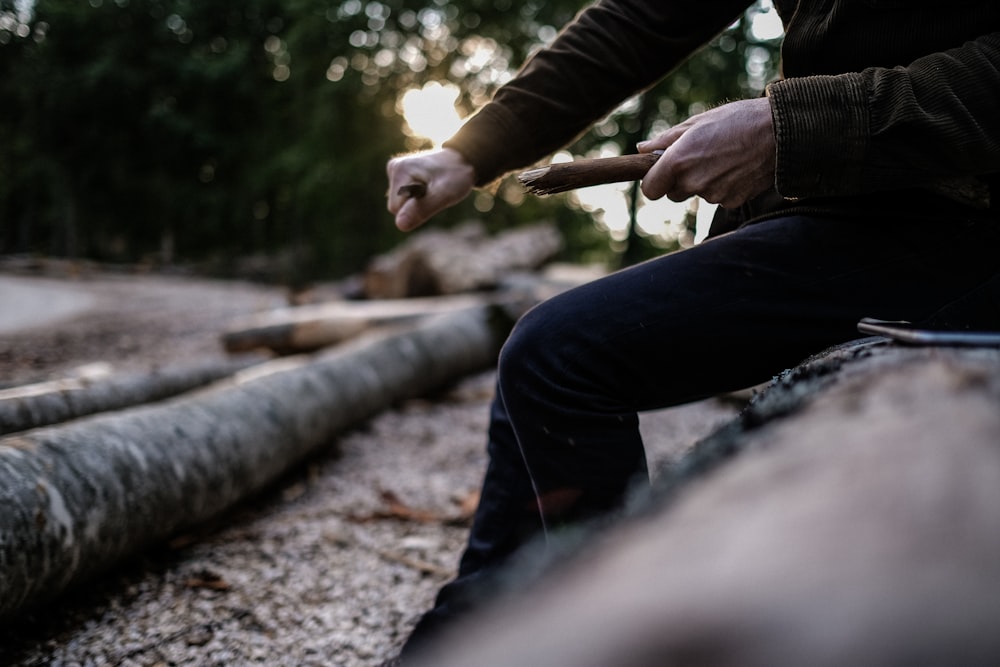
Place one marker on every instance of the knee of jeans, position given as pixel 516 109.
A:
pixel 535 351
pixel 516 351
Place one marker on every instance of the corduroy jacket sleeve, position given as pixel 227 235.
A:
pixel 932 121
pixel 613 49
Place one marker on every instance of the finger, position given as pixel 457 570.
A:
pixel 394 201
pixel 664 140
pixel 401 190
pixel 415 211
pixel 404 184
pixel 661 178
pixel 409 216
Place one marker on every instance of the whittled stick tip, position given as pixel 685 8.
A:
pixel 534 181
pixel 583 173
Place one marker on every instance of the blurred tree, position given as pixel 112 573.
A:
pixel 141 144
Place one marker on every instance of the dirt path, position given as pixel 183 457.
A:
pixel 329 567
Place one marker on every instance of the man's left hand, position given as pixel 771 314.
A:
pixel 725 155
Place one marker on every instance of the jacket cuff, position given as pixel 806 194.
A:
pixel 485 140
pixel 821 127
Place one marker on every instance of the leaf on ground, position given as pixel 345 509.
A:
pixel 206 579
pixel 467 504
pixel 395 508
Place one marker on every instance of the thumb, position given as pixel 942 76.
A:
pixel 409 216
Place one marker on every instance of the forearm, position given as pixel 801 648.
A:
pixel 880 129
pixel 614 49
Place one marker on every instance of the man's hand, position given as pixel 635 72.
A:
pixel 725 155
pixel 448 179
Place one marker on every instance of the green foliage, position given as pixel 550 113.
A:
pixel 186 130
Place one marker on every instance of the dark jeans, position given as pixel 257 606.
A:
pixel 727 314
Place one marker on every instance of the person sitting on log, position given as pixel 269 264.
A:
pixel 866 182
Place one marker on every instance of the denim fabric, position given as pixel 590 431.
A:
pixel 729 313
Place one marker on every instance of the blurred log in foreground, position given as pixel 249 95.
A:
pixel 857 524
pixel 465 259
pixel 77 498
pixel 310 327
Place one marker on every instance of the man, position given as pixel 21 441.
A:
pixel 864 184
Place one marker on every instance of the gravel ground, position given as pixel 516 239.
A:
pixel 331 566
pixel 133 322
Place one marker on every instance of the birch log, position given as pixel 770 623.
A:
pixel 79 497
pixel 45 403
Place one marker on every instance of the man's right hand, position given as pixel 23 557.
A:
pixel 447 177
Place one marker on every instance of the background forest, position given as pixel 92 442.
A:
pixel 209 131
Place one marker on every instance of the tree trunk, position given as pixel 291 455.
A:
pixel 79 497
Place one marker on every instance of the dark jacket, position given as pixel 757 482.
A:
pixel 875 95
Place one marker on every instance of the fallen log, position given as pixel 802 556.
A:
pixel 79 497
pixel 308 328
pixel 848 517
pixel 56 401
pixel 465 259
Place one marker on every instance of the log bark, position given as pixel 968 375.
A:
pixel 56 401
pixel 437 262
pixel 850 517
pixel 77 498
pixel 308 328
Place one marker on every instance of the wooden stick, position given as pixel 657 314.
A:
pixel 583 173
